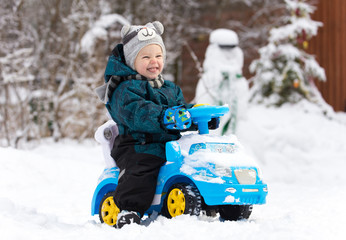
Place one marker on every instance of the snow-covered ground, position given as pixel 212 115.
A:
pixel 46 192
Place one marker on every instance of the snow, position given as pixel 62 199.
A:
pixel 190 138
pixel 314 69
pixel 98 30
pixel 215 162
pixel 46 191
pixel 300 23
pixel 292 30
pixel 229 199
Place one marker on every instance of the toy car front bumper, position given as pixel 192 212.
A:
pixel 234 194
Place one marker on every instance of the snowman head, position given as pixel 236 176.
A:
pixel 224 38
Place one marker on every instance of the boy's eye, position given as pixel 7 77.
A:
pixel 159 56
pixel 146 57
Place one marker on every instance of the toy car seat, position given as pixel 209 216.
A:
pixel 105 135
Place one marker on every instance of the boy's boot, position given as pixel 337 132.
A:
pixel 127 217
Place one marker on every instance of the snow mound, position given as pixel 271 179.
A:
pixel 296 144
pixel 99 30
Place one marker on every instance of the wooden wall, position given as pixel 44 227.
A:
pixel 329 46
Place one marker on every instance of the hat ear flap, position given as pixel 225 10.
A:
pixel 125 30
pixel 159 27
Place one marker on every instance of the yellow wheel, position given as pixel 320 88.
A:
pixel 109 211
pixel 176 202
pixel 181 199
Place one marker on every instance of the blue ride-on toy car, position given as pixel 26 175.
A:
pixel 203 173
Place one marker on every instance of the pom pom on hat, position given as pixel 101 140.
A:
pixel 136 37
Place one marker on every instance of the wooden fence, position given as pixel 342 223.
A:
pixel 329 46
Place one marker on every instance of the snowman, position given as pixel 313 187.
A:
pixel 222 81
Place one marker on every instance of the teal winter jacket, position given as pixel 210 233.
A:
pixel 138 108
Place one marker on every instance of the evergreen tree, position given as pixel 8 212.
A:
pixel 285 72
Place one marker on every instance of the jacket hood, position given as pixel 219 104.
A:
pixel 116 65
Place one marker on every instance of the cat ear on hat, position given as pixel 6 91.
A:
pixel 159 27
pixel 125 30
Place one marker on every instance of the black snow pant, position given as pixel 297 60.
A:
pixel 137 178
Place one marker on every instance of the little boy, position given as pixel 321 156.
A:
pixel 148 111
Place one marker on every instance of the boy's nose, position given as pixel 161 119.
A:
pixel 153 61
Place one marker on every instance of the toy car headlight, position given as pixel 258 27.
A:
pixel 223 171
pixel 246 176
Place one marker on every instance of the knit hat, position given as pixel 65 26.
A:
pixel 134 38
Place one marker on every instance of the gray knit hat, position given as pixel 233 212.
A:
pixel 134 38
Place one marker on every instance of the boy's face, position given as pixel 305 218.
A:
pixel 149 61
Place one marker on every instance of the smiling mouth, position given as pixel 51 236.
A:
pixel 154 69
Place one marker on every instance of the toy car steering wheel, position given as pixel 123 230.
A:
pixel 201 115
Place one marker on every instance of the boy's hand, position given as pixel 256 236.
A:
pixel 214 123
pixel 177 118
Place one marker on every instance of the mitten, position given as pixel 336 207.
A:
pixel 214 123
pixel 177 118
